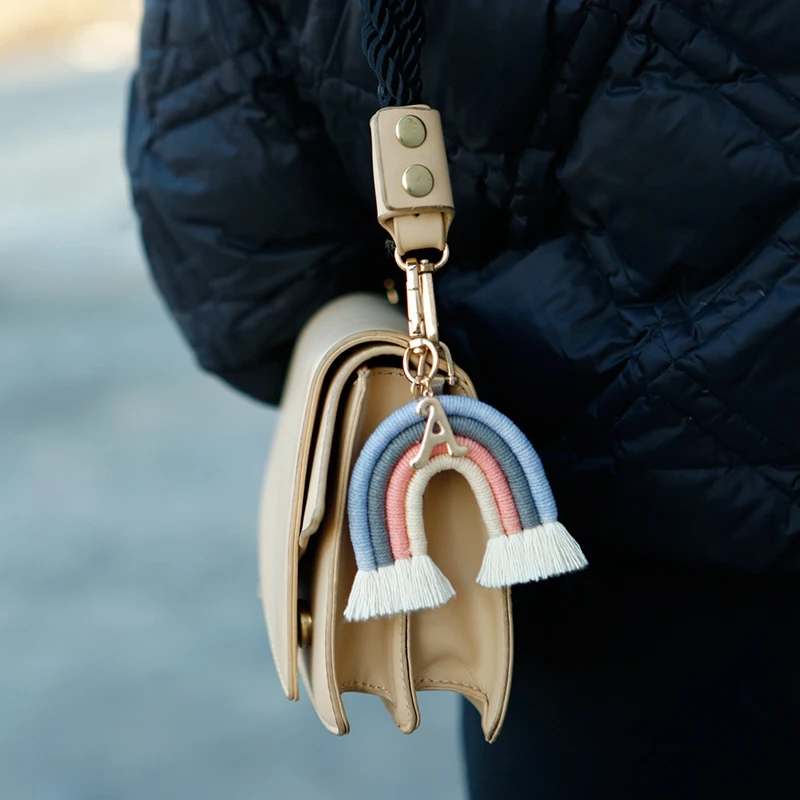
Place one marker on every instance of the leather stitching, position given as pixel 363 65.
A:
pixel 382 691
pixel 431 682
pixel 444 662
pixel 362 685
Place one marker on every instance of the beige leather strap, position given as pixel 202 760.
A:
pixel 412 179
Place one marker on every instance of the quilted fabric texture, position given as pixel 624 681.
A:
pixel 625 278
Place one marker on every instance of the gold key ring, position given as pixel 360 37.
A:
pixel 421 348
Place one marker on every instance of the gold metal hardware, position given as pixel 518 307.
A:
pixel 418 180
pixel 450 380
pixel 421 380
pixel 412 263
pixel 423 326
pixel 416 326
pixel 437 431
pixel 410 131
pixel 305 624
pixel 422 319
pixel 429 316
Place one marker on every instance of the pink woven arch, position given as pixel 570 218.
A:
pixel 404 472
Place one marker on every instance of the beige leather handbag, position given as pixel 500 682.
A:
pixel 343 382
pixel 340 576
pixel 345 378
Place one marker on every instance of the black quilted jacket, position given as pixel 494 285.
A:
pixel 625 280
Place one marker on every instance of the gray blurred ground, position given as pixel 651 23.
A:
pixel 133 657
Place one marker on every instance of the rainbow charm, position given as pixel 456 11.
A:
pixel 385 501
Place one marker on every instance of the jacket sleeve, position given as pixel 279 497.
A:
pixel 247 219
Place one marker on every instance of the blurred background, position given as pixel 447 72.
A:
pixel 133 656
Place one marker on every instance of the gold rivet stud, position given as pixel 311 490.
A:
pixel 410 131
pixel 418 180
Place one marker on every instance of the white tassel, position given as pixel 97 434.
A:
pixel 505 562
pixel 405 583
pixel 422 584
pixel 367 599
pixel 553 550
pixel 409 584
pixel 533 555
pixel 390 598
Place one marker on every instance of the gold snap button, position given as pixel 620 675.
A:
pixel 410 131
pixel 418 180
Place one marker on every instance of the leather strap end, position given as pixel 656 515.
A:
pixel 412 180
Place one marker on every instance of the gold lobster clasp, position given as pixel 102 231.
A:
pixel 423 325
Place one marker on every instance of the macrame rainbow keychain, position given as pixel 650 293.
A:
pixel 436 431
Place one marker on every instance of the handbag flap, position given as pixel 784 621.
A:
pixel 339 656
pixel 357 326
pixel 327 419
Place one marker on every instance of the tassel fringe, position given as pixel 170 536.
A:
pixel 410 584
pixel 555 552
pixel 505 562
pixel 535 554
pixel 366 598
pixel 422 584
